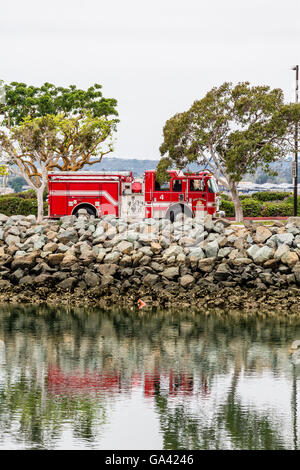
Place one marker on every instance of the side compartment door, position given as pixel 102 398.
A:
pixel 58 199
pixel 83 192
pixel 109 198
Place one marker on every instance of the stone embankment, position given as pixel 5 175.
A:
pixel 209 264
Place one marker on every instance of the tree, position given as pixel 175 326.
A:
pixel 51 127
pixel 17 183
pixel 4 171
pixel 232 130
pixel 18 101
pixel 38 145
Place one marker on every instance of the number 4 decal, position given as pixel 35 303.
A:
pixel 161 197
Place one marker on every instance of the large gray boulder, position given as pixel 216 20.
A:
pixel 173 250
pixel 171 273
pixel 212 249
pixel 125 247
pixel 187 281
pixel 281 250
pixel 263 254
pixel 294 220
pixel 252 251
pixel 68 236
pixel 91 279
pixel 262 234
pixel 197 253
pixel 286 238
pixel 150 279
pixel 222 272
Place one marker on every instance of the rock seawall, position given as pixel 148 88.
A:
pixel 88 261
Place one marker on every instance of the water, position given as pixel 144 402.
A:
pixel 163 380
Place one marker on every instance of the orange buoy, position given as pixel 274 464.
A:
pixel 141 303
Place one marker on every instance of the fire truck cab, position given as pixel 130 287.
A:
pixel 193 194
pixel 102 193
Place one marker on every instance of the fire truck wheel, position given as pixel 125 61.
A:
pixel 89 210
pixel 174 211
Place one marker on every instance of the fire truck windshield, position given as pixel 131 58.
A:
pixel 212 185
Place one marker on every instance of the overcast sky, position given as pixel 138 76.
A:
pixel 155 57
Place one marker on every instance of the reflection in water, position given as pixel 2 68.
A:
pixel 117 379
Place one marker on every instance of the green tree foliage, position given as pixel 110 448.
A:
pixel 232 130
pixel 17 183
pixel 23 100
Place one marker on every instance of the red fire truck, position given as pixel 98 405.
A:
pixel 118 193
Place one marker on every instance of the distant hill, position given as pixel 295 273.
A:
pixel 138 168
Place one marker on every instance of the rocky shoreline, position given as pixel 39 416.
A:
pixel 102 262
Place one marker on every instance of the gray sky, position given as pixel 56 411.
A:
pixel 155 57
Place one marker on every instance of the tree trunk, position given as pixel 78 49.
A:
pixel 40 202
pixel 237 203
pixel 4 183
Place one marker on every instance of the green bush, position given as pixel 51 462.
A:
pixel 9 205
pixel 19 206
pixel 290 200
pixel 227 207
pixel 28 206
pixel 30 194
pixel 262 204
pixel 225 197
pixel 24 203
pixel 270 195
pixel 251 207
pixel 276 209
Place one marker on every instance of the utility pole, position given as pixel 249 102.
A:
pixel 295 163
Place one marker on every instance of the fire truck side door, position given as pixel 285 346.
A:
pixel 161 193
pixel 179 190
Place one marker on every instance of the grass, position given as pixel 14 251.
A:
pixel 259 222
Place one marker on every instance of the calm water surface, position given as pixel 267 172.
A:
pixel 163 380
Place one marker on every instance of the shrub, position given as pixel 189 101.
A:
pixel 270 195
pixel 290 200
pixel 28 206
pixel 19 206
pixel 30 194
pixel 251 207
pixel 276 209
pixel 227 207
pixel 9 205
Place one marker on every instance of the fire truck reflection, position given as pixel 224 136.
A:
pixel 177 384
pixel 60 382
pixel 181 383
